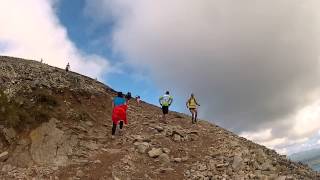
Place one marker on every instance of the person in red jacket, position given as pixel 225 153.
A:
pixel 119 112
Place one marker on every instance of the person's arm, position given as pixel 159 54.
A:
pixel 160 100
pixel 170 101
pixel 196 102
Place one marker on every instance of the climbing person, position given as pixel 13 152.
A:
pixel 165 101
pixel 192 106
pixel 128 96
pixel 68 67
pixel 138 100
pixel 119 113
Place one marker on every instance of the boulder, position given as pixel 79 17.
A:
pixel 237 162
pixel 50 145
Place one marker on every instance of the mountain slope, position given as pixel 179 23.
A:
pixel 56 125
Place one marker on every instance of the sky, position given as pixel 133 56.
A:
pixel 253 65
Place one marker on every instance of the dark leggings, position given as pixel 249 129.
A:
pixel 114 127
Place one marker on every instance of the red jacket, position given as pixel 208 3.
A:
pixel 120 114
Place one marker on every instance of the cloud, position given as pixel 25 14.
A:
pixel 31 29
pixel 254 65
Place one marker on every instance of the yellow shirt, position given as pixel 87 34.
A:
pixel 192 103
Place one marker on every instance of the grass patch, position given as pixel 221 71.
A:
pixel 24 113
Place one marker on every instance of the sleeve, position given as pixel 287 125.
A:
pixel 170 100
pixel 160 100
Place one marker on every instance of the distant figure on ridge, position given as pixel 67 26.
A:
pixel 119 112
pixel 41 61
pixel 192 105
pixel 138 99
pixel 68 67
pixel 165 101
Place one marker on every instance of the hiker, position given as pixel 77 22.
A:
pixel 192 106
pixel 68 67
pixel 138 99
pixel 128 96
pixel 119 112
pixel 165 101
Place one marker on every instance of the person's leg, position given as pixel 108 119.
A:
pixel 166 111
pixel 121 124
pixel 114 127
pixel 192 115
pixel 163 114
pixel 195 115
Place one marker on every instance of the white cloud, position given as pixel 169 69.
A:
pixel 31 29
pixel 254 65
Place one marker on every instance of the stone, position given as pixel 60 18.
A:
pixel 10 134
pixel 164 158
pixel 97 161
pixel 49 145
pixel 177 160
pixel 237 162
pixel 266 166
pixel 89 123
pixel 155 152
pixel 159 128
pixel 80 173
pixel 7 168
pixel 176 138
pixel 142 147
pixel 4 156
pixel 166 150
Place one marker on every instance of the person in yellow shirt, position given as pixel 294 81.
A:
pixel 192 105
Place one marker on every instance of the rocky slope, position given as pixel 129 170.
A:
pixel 56 125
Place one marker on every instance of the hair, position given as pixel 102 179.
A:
pixel 167 92
pixel 120 94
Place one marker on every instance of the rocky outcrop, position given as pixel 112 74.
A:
pixel 50 145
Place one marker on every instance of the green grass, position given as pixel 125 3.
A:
pixel 19 115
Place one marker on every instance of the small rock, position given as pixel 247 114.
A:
pixel 89 123
pixel 97 161
pixel 159 128
pixel 155 152
pixel 4 156
pixel 10 134
pixel 80 173
pixel 164 170
pixel 142 147
pixel 164 158
pixel 177 160
pixel 176 137
pixel 166 150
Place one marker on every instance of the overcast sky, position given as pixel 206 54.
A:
pixel 252 64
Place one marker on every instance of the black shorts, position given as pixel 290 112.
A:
pixel 165 109
pixel 191 109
